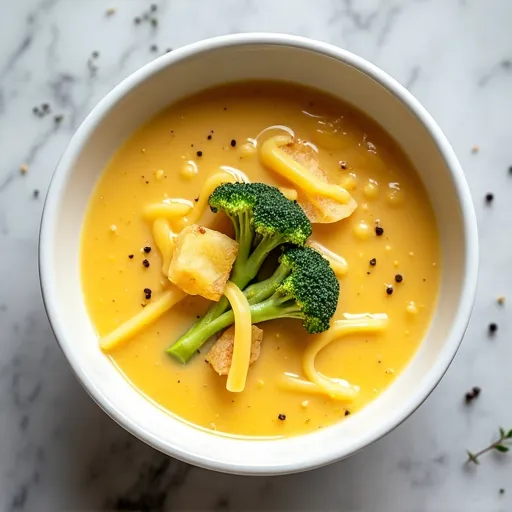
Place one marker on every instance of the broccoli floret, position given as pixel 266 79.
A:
pixel 263 219
pixel 303 286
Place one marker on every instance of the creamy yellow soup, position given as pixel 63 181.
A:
pixel 171 156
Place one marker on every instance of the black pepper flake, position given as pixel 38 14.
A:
pixel 147 249
pixel 471 395
pixel 347 412
pixel 154 22
pixel 153 7
pixel 198 317
pixel 169 50
pixel 510 170
pixel 137 20
pixel 389 289
pixel 379 231
pixel 373 262
pixel 45 107
pixel 493 327
pixel 130 256
pixel 489 197
pixel 145 263
pixel 399 278
pixel 35 110
pixel 147 290
pixel 199 153
pixel 58 118
pixel 35 193
pixel 209 137
pixel 153 48
pixel 502 491
pixel 281 417
pixel 233 143
pixel 343 164
pixel 95 54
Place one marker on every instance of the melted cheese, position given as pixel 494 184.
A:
pixel 170 209
pixel 181 212
pixel 338 263
pixel 243 336
pixel 289 193
pixel 352 323
pixel 338 389
pixel 145 317
pixel 165 241
pixel 274 157
pixel 293 382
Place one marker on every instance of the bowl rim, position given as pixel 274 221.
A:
pixel 463 197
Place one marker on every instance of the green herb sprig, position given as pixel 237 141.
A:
pixel 502 445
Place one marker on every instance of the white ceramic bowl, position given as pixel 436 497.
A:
pixel 186 71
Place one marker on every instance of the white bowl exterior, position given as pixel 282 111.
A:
pixel 188 70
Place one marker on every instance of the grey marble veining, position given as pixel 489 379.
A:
pixel 58 451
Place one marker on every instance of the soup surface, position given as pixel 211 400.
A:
pixel 189 142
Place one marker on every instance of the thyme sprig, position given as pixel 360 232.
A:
pixel 502 445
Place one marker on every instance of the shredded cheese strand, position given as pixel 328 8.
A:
pixel 274 157
pixel 338 389
pixel 165 241
pixel 170 209
pixel 289 193
pixel 338 263
pixel 237 375
pixel 351 323
pixel 175 210
pixel 226 176
pixel 142 319
pixel 293 382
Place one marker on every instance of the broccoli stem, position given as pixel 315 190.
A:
pixel 276 306
pixel 262 290
pixel 258 256
pixel 244 235
pixel 196 337
pixel 244 271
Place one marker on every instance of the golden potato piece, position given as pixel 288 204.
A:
pixel 202 261
pixel 221 354
pixel 318 209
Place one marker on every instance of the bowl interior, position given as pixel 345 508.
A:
pixel 195 68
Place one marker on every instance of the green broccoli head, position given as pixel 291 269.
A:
pixel 311 285
pixel 263 219
pixel 271 213
pixel 233 198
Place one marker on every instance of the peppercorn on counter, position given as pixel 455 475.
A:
pixel 260 260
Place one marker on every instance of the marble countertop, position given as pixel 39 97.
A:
pixel 58 450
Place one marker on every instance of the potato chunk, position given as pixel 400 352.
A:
pixel 202 261
pixel 318 209
pixel 221 354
